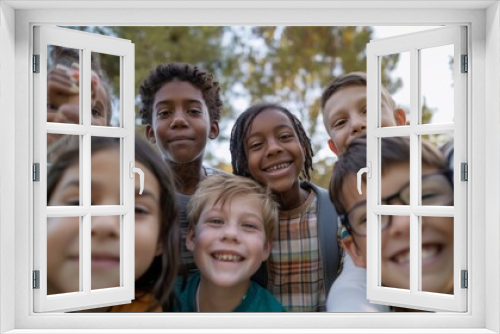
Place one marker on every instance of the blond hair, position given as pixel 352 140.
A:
pixel 221 188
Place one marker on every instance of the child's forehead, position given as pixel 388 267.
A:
pixel 179 88
pixel 270 117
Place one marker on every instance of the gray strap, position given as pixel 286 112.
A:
pixel 327 232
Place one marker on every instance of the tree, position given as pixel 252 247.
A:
pixel 291 65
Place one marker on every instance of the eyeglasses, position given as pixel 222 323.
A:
pixel 437 189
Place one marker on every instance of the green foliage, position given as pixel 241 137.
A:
pixel 292 65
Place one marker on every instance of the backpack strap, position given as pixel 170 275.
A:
pixel 327 232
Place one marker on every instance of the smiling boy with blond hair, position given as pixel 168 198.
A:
pixel 231 223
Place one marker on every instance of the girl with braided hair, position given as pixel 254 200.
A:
pixel 270 146
pixel 181 108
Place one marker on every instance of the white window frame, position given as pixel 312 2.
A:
pixel 86 43
pixel 483 21
pixel 413 43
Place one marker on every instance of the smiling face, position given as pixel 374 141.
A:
pixel 344 116
pixel 275 156
pixel 181 123
pixel 229 242
pixel 63 232
pixel 437 238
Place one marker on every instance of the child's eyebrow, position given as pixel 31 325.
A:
pixel 278 127
pixel 146 193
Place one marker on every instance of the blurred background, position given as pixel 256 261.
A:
pixel 285 64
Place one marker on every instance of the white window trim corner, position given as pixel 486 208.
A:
pixel 484 294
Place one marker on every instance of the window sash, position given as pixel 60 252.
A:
pixel 413 298
pixel 86 298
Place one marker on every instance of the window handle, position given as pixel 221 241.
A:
pixel 141 175
pixel 368 171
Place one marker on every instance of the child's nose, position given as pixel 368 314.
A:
pixel 400 225
pixel 273 147
pixel 179 119
pixel 358 124
pixel 105 227
pixel 230 232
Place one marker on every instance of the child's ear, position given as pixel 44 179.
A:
pixel 214 130
pixel 150 134
pixel 159 249
pixel 400 116
pixel 356 255
pixel 333 147
pixel 267 251
pixel 190 240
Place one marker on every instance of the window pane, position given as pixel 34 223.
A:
pixel 105 252
pixel 395 171
pixel 395 89
pixel 437 170
pixel 437 254
pixel 436 84
pixel 105 171
pixel 63 85
pixel 105 89
pixel 63 170
pixel 395 251
pixel 63 255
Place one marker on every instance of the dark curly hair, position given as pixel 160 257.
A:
pixel 164 73
pixel 239 159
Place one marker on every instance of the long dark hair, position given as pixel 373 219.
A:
pixel 159 279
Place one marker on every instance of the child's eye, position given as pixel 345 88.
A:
pixel 51 107
pixel 254 146
pixel 72 201
pixel 163 113
pixel 429 197
pixel 251 226
pixel 194 111
pixel 285 136
pixel 96 112
pixel 141 210
pixel 215 221
pixel 339 123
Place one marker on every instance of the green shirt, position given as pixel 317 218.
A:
pixel 256 299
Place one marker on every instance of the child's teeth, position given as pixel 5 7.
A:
pixel 280 166
pixel 228 257
pixel 403 258
pixel 429 251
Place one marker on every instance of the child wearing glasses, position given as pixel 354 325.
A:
pixel 437 232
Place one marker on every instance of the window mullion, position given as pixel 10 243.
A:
pixel 85 163
pixel 415 235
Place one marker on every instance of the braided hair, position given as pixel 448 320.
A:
pixel 239 159
pixel 165 73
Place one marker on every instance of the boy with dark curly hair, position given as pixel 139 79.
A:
pixel 181 108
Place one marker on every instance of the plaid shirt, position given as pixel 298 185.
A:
pixel 295 265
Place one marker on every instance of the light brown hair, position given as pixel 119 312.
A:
pixel 222 188
pixel 353 79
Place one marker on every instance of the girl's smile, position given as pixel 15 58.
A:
pixel 275 155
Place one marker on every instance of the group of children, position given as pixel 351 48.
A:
pixel 265 238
